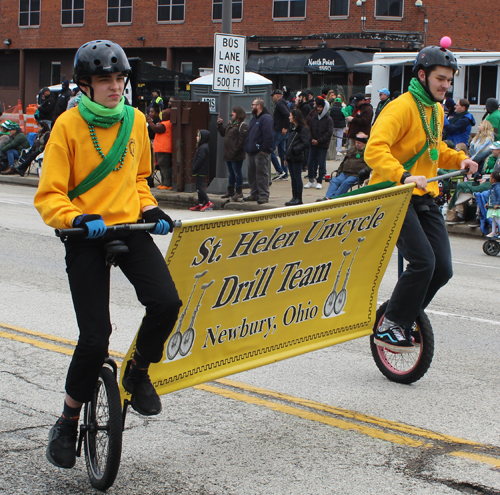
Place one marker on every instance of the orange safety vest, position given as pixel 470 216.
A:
pixel 163 141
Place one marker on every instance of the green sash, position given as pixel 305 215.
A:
pixel 111 160
pixel 384 185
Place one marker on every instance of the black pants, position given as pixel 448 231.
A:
pixel 424 243
pixel 202 195
pixel 295 170
pixel 89 280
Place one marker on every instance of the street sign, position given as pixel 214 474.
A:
pixel 229 63
pixel 211 104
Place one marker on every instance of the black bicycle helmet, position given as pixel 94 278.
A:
pixel 434 55
pixel 99 57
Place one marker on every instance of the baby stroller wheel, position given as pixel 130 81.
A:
pixel 491 247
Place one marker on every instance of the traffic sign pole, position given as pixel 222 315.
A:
pixel 229 66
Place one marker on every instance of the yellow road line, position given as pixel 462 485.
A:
pixel 338 423
pixel 365 418
pixel 46 336
pixel 486 459
pixel 37 343
pixel 301 413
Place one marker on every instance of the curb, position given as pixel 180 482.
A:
pixel 280 192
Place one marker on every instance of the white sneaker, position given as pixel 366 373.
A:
pixel 308 185
pixel 339 153
pixel 319 186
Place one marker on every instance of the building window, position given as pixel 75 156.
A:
pixel 49 73
pixel 339 8
pixel 119 11
pixel 171 10
pixel 286 9
pixel 9 75
pixel 480 83
pixel 29 13
pixel 237 13
pixel 72 12
pixel 187 68
pixel 389 8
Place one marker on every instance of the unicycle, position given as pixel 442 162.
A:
pixel 101 429
pixel 341 298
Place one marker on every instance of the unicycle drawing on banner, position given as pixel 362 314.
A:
pixel 175 342
pixel 339 303
pixel 330 300
pixel 188 337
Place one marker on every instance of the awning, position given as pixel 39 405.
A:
pixel 389 61
pixel 300 62
pixel 278 63
pixel 476 60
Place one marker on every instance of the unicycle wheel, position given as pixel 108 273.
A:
pixel 329 304
pixel 491 247
pixel 173 345
pixel 103 431
pixel 405 367
pixel 187 342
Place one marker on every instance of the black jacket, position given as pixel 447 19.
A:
pixel 234 135
pixel 321 129
pixel 281 117
pixel 305 108
pixel 260 136
pixel 46 109
pixel 201 160
pixel 297 143
pixel 62 102
pixel 337 116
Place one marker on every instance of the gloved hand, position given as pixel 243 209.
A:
pixel 93 224
pixel 164 223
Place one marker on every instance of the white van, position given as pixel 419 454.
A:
pixel 477 77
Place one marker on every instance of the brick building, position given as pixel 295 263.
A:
pixel 39 37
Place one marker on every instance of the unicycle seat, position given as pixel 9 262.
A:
pixel 115 250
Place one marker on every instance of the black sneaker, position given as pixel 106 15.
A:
pixel 394 339
pixel 249 198
pixel 61 450
pixel 144 400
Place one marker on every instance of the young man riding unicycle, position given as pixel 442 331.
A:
pixel 94 175
pixel 405 146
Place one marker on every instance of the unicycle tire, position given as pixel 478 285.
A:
pixel 405 368
pixel 187 342
pixel 103 436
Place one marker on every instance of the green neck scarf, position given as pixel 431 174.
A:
pixel 432 130
pixel 98 115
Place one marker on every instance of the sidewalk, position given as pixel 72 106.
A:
pixel 280 193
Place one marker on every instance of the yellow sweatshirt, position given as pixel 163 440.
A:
pixel 397 136
pixel 70 156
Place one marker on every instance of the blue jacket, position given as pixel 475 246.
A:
pixel 494 198
pixel 260 136
pixel 458 130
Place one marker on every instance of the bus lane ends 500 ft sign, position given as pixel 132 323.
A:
pixel 229 63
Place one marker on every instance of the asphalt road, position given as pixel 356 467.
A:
pixel 326 422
